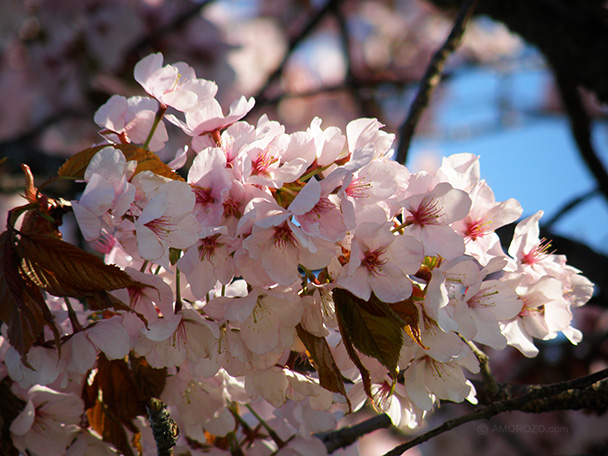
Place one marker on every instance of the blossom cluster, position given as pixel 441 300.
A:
pixel 241 258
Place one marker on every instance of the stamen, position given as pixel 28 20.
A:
pixel 538 253
pixel 373 262
pixel 283 235
pixel 358 188
pixel 203 195
pixel 426 214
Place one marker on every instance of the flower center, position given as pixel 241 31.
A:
pixel 283 236
pixel 477 229
pixel 538 253
pixel 262 163
pixel 427 213
pixel 373 262
pixel 203 195
pixel 358 188
pixel 160 226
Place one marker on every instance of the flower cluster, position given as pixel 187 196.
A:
pixel 288 276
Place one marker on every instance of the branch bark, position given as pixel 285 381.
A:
pixel 431 78
pixel 577 393
pixel 573 36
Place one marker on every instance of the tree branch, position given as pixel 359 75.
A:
pixel 314 21
pixel 346 436
pixel 431 78
pixel 580 123
pixel 572 35
pixel 539 399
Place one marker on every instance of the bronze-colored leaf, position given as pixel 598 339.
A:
pixel 76 165
pixel 323 361
pixel 151 381
pixel 371 327
pixel 22 305
pixel 113 400
pixel 407 311
pixel 63 269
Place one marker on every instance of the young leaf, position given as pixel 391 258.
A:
pixel 323 361
pixel 371 327
pixel 22 306
pixel 63 269
pixel 113 400
pixel 76 165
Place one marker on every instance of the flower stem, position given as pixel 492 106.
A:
pixel 157 118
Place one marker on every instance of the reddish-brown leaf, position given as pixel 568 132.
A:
pixel 408 312
pixel 22 306
pixel 113 400
pixel 76 165
pixel 323 361
pixel 63 269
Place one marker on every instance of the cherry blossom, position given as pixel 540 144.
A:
pixel 42 427
pixel 380 262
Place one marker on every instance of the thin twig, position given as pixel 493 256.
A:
pixel 293 43
pixel 580 123
pixel 568 207
pixel 431 78
pixel 506 405
pixel 346 436
pixel 489 382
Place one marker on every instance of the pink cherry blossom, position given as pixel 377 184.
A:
pixel 380 262
pixel 428 216
pixel 166 219
pixel 173 85
pixel 130 120
pixel 42 427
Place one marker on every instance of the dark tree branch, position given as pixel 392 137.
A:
pixel 580 123
pixel 346 436
pixel 573 35
pixel 539 399
pixel 574 202
pixel 431 78
pixel 311 25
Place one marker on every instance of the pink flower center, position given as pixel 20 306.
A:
pixel 262 163
pixel 105 243
pixel 538 253
pixel 426 214
pixel 358 188
pixel 373 262
pixel 477 229
pixel 323 205
pixel 283 236
pixel 231 207
pixel 160 226
pixel 207 247
pixel 203 195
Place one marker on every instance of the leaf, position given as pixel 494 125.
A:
pixel 63 269
pixel 22 305
pixel 323 361
pixel 76 165
pixel 151 381
pixel 113 400
pixel 407 311
pixel 371 327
